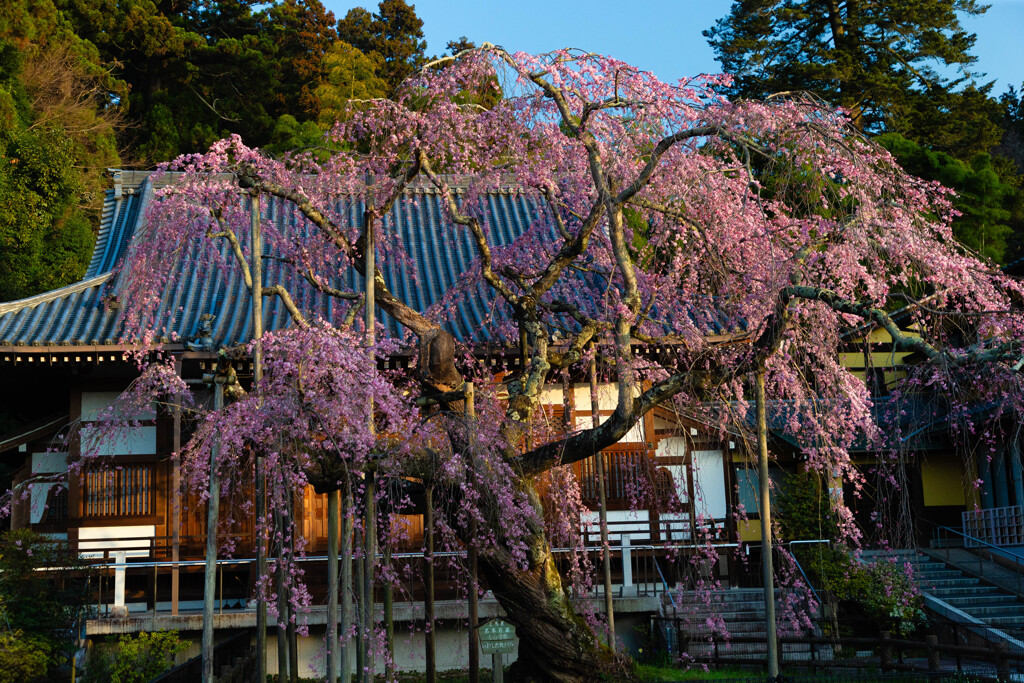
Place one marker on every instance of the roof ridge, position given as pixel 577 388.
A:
pixel 55 294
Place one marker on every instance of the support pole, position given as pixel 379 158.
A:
pixel 359 588
pixel 428 588
pixel 497 668
pixel 282 597
pixel 389 613
pixel 764 503
pixel 212 514
pixel 175 502
pixel 345 598
pixel 256 269
pixel 370 493
pixel 471 554
pixel 606 551
pixel 333 531
pixel 293 636
pixel 369 555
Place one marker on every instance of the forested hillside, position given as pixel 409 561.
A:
pixel 90 84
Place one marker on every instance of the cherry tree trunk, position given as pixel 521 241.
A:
pixel 556 644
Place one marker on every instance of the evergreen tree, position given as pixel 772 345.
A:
pixel 880 60
pixel 394 34
pixel 58 113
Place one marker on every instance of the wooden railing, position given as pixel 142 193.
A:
pixel 630 475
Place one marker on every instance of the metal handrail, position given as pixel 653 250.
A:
pixel 800 567
pixel 978 540
pixel 322 558
pixel 1002 551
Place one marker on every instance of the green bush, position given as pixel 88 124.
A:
pixel 22 658
pixel 46 606
pixel 133 659
pixel 881 590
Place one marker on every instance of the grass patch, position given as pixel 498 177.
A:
pixel 657 674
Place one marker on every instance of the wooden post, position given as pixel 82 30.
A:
pixel 497 668
pixel 885 651
pixel 212 514
pixel 256 270
pixel 1002 661
pixel 606 551
pixel 471 554
pixel 933 651
pixel 428 580
pixel 767 572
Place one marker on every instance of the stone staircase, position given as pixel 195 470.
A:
pixel 702 626
pixel 968 595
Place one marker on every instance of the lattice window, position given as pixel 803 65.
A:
pixel 126 491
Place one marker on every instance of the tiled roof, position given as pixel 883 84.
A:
pixel 438 258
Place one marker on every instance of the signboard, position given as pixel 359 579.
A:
pixel 497 637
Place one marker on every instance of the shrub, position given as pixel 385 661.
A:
pixel 134 659
pixel 22 658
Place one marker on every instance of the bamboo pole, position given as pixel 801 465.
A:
pixel 764 503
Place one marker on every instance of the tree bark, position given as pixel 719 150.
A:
pixel 556 644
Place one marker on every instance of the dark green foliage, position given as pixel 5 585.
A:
pixel 199 71
pixel 45 605
pixel 805 512
pixel 1011 115
pixel 878 595
pixel 394 35
pixel 880 60
pixel 134 658
pixel 50 186
pixel 983 199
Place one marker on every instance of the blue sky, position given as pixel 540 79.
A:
pixel 663 36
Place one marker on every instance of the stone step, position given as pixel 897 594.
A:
pixel 1014 622
pixel 985 600
pixel 1010 609
pixel 931 574
pixel 964 592
pixel 963 582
